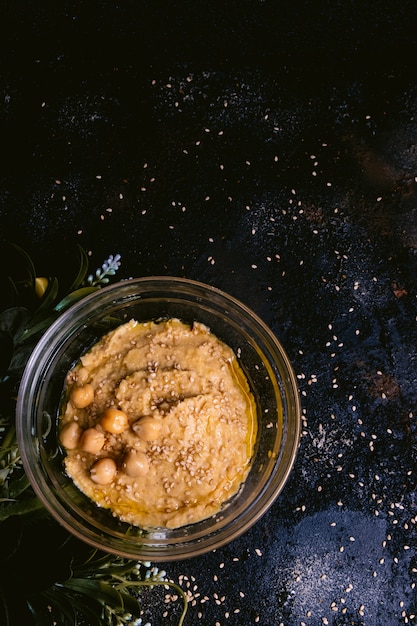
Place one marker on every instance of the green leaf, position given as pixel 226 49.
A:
pixel 94 565
pixel 119 569
pixel 27 263
pixel 73 297
pixel 39 612
pixel 38 327
pixel 41 320
pixel 96 593
pixel 14 319
pixel 63 608
pixel 104 565
pixel 82 269
pixel 24 507
pixel 20 358
pixel 102 592
pixel 88 609
pixel 131 604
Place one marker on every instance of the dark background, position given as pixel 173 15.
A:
pixel 269 149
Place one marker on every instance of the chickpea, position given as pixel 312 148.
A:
pixel 114 421
pixel 135 463
pixel 147 428
pixel 92 440
pixel 70 435
pixel 81 396
pixel 103 471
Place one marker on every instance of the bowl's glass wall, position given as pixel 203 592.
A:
pixel 262 358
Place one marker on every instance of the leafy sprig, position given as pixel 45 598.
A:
pixel 109 268
pixel 91 587
pixel 101 586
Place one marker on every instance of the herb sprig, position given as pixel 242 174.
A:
pixel 81 585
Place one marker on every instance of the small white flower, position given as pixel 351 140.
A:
pixel 108 268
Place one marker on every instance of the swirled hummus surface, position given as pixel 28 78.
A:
pixel 159 424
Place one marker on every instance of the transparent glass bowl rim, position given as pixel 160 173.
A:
pixel 106 296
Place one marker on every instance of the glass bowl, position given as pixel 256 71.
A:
pixel 260 355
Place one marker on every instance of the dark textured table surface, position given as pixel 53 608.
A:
pixel 268 149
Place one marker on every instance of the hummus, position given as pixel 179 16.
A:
pixel 158 423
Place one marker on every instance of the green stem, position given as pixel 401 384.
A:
pixel 153 583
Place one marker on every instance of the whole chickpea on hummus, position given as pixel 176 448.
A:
pixel 158 424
